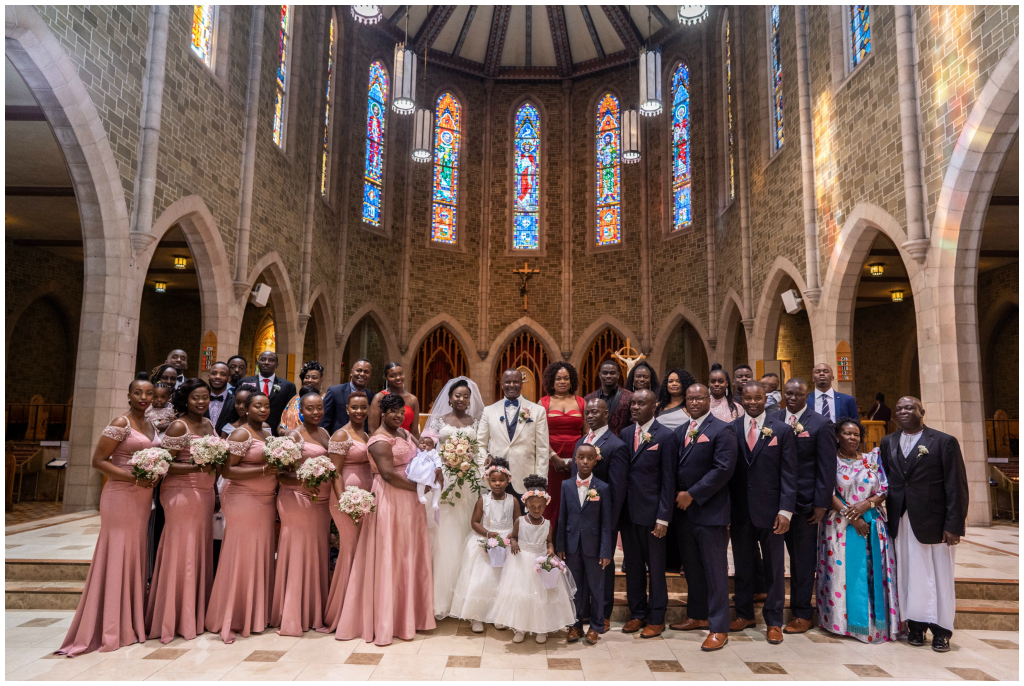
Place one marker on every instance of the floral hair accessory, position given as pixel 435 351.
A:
pixel 496 468
pixel 538 493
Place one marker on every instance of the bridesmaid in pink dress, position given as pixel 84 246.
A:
pixel 347 450
pixel 183 573
pixel 244 586
pixel 111 612
pixel 391 588
pixel 303 551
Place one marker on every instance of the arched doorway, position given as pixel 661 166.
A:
pixel 601 349
pixel 41 355
pixel 739 350
pixel 309 344
pixel 685 350
pixel 439 358
pixel 366 342
pixel 526 353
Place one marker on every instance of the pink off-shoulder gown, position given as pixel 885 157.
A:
pixel 391 589
pixel 243 589
pixel 303 555
pixel 355 472
pixel 183 573
pixel 111 612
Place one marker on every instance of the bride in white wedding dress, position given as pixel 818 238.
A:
pixel 457 408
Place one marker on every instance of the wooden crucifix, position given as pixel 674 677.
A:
pixel 525 273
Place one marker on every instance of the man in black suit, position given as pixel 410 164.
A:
pixel 927 515
pixel 613 469
pixel 763 495
pixel 615 396
pixel 279 390
pixel 336 398
pixel 222 400
pixel 650 499
pixel 815 483
pixel 707 456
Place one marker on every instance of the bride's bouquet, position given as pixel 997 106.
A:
pixel 549 567
pixel 207 450
pixel 458 453
pixel 281 452
pixel 356 503
pixel 314 471
pixel 150 463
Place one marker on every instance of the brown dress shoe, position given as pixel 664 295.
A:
pixel 739 624
pixel 652 631
pixel 774 635
pixel 760 597
pixel 714 642
pixel 689 625
pixel 797 626
pixel 633 626
pixel 574 635
pixel 607 624
pixel 592 636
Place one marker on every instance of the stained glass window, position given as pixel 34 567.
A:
pixel 526 215
pixel 775 51
pixel 202 32
pixel 860 34
pixel 328 108
pixel 682 206
pixel 728 109
pixel 283 55
pixel 376 122
pixel 448 118
pixel 609 172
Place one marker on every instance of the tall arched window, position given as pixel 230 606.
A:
pixel 526 169
pixel 203 20
pixel 609 172
pixel 859 41
pixel 775 77
pixel 376 123
pixel 448 118
pixel 682 206
pixel 325 152
pixel 284 50
pixel 730 166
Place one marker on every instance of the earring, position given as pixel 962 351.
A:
pixel 301 417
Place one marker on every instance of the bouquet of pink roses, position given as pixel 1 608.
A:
pixel 356 503
pixel 458 453
pixel 207 450
pixel 281 452
pixel 150 463
pixel 549 567
pixel 314 471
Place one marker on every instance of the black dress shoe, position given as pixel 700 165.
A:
pixel 940 644
pixel 915 638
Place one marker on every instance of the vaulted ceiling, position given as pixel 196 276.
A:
pixel 529 41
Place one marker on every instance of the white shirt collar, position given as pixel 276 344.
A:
pixel 647 427
pixel 798 415
pixel 758 420
pixel 265 378
pixel 831 393
pixel 600 432
pixel 908 441
pixel 700 419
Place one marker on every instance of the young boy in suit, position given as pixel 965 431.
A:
pixel 584 539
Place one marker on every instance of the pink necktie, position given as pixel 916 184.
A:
pixel 266 387
pixel 590 438
pixel 636 437
pixel 792 420
pixel 693 427
pixel 752 435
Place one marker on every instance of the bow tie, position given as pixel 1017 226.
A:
pixel 514 402
pixel 584 482
pixel 217 397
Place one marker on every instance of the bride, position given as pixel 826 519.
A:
pixel 457 408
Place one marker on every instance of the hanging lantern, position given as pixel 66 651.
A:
pixel 404 101
pixel 422 135
pixel 160 286
pixel 366 14
pixel 897 296
pixel 877 269
pixel 180 261
pixel 650 82
pixel 630 136
pixel 692 14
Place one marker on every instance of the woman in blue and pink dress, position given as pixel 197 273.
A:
pixel 111 612
pixel 856 586
pixel 391 588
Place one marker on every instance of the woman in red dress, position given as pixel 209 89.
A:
pixel 565 426
pixel 394 378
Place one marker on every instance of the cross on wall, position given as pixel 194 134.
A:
pixel 525 273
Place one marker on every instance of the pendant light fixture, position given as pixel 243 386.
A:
pixel 404 101
pixel 631 129
pixel 692 14
pixel 650 77
pixel 423 125
pixel 366 14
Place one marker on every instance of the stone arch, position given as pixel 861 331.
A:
pixel 286 321
pixel 490 364
pixel 763 340
pixel 607 321
pixel 452 324
pixel 109 322
pixel 681 313
pixel 374 312
pixel 731 317
pixel 320 314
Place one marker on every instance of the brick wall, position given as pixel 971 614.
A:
pixel 795 344
pixel 884 336
pixel 168 322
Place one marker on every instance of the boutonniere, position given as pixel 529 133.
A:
pixel 524 415
pixel 921 450
pixel 275 388
pixel 598 452
pixel 798 428
pixel 693 433
pixel 766 431
pixel 644 437
pixel 592 495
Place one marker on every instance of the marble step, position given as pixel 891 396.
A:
pixel 42 595
pixel 46 570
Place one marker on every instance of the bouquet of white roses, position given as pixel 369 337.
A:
pixel 207 450
pixel 150 463
pixel 356 503
pixel 314 471
pixel 458 453
pixel 281 452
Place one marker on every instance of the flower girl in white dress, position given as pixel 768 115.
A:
pixel 522 602
pixel 493 517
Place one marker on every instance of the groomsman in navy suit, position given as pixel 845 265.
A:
pixel 828 402
pixel 650 499
pixel 584 540
pixel 763 493
pixel 612 468
pixel 707 459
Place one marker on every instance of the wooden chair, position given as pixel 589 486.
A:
pixel 28 459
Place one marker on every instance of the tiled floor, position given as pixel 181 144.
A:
pixel 30 511
pixel 452 652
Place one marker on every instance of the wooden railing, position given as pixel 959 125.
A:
pixel 27 422
pixel 1001 437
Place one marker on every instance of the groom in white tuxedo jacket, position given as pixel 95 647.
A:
pixel 516 429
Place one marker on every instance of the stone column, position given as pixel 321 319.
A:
pixel 485 230
pixel 311 192
pixel 741 153
pixel 803 82
pixel 252 103
pixel 347 173
pixel 566 219
pixel 906 66
pixel 709 219
pixel 152 106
